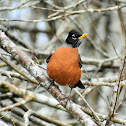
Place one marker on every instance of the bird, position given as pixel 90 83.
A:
pixel 64 64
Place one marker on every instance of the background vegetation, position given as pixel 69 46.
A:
pixel 37 28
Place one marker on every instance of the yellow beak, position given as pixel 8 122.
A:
pixel 84 35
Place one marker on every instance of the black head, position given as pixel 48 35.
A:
pixel 74 38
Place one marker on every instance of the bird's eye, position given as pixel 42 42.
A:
pixel 74 37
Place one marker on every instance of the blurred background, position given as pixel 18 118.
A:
pixel 40 26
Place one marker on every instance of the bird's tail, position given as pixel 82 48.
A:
pixel 79 84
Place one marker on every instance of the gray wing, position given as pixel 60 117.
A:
pixel 80 62
pixel 47 60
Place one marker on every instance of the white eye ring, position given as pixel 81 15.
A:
pixel 74 37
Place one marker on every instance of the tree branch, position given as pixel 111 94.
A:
pixel 38 73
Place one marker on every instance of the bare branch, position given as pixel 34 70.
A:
pixel 35 70
pixel 20 6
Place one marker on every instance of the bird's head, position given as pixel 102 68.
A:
pixel 75 38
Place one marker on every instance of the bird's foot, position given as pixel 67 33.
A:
pixel 51 83
pixel 66 98
pixel 69 96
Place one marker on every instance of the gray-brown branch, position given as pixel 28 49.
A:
pixel 39 75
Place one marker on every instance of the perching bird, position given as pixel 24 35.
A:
pixel 64 65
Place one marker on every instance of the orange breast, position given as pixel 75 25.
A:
pixel 63 66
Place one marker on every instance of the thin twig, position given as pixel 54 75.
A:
pixel 14 105
pixel 20 6
pixel 17 69
pixel 68 13
pixel 116 94
pixel 94 114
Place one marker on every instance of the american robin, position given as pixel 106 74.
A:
pixel 64 65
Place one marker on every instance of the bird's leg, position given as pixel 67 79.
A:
pixel 51 83
pixel 70 93
pixel 69 96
